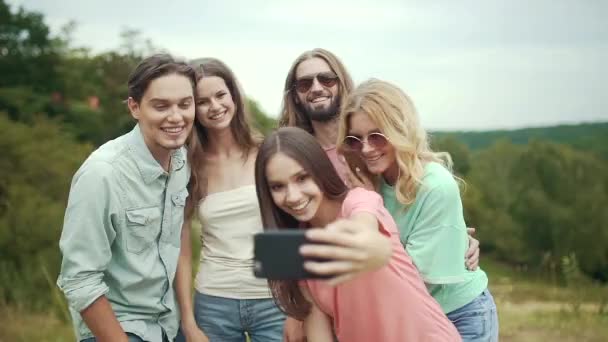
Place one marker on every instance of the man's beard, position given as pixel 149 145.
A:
pixel 324 114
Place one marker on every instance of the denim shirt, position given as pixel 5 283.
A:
pixel 121 236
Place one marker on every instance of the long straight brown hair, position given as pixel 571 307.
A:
pixel 245 136
pixel 306 151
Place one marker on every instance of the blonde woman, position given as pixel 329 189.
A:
pixel 379 122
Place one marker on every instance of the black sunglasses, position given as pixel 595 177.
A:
pixel 375 140
pixel 326 79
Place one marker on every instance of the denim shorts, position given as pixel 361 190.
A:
pixel 478 320
pixel 227 319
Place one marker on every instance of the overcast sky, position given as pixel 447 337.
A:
pixel 467 64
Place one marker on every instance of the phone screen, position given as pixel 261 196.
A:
pixel 277 255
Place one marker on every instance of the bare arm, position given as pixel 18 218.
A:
pixel 183 287
pixel 100 318
pixel 317 325
pixel 353 245
pixel 293 330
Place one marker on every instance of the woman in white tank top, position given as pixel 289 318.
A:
pixel 229 300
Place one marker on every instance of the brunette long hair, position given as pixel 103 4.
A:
pixel 304 149
pixel 245 136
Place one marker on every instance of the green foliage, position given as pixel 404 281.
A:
pixel 35 172
pixel 261 121
pixel 586 137
pixel 539 202
pixel 461 156
pixel 536 195
pixel 27 54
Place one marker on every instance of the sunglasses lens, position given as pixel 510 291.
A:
pixel 377 140
pixel 303 85
pixel 353 143
pixel 327 80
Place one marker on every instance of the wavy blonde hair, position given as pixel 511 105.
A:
pixel 291 112
pixel 395 115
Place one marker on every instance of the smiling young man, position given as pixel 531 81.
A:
pixel 315 86
pixel 122 228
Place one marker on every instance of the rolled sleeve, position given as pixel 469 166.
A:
pixel 82 292
pixel 87 236
pixel 438 240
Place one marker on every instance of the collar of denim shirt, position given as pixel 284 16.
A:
pixel 149 167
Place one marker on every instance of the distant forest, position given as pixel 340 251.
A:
pixel 586 136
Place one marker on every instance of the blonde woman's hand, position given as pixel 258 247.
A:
pixel 351 247
pixel 358 180
pixel 472 255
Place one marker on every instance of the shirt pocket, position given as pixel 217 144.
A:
pixel 178 200
pixel 143 227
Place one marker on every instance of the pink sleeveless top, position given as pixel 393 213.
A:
pixel 390 304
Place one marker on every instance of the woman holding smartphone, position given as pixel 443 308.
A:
pixel 379 122
pixel 379 295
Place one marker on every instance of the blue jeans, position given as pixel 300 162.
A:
pixel 132 338
pixel 478 320
pixel 227 320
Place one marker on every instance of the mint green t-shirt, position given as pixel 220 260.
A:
pixel 433 232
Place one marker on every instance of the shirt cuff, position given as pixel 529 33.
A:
pixel 82 292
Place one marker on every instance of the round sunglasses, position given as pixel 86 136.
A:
pixel 374 139
pixel 327 79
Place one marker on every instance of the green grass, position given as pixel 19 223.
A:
pixel 533 308
pixel 23 326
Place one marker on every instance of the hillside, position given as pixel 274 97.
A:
pixel 587 136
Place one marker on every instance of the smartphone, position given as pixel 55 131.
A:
pixel 277 255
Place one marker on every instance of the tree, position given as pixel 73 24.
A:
pixel 35 172
pixel 461 156
pixel 27 54
pixel 261 121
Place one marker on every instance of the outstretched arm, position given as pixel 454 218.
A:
pixel 353 245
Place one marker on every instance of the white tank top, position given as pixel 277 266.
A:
pixel 229 219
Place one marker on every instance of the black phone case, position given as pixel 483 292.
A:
pixel 277 255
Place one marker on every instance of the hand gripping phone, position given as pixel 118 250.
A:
pixel 277 255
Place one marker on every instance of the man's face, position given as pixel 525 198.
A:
pixel 165 114
pixel 317 90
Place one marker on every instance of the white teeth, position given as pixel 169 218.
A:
pixel 173 129
pixel 217 116
pixel 300 206
pixel 319 99
pixel 374 158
